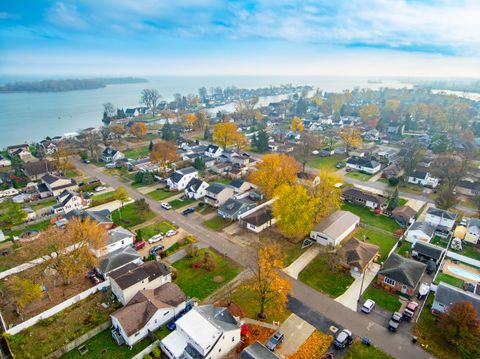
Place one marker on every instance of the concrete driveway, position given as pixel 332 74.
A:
pixel 296 331
pixel 350 297
pixel 294 269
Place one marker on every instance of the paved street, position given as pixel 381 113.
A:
pixel 306 302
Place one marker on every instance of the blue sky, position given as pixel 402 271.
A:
pixel 149 37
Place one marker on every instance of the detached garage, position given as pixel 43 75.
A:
pixel 335 228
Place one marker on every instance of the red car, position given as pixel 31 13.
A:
pixel 410 310
pixel 139 245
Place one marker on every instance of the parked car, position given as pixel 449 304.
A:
pixel 156 238
pixel 166 206
pixel 410 310
pixel 394 322
pixel 368 306
pixel 340 165
pixel 343 338
pixel 86 161
pixel 139 245
pixel 275 340
pixel 153 251
pixel 188 211
pixel 171 233
pixel 348 170
pixel 100 189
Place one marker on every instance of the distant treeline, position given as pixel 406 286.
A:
pixel 67 85
pixel 452 85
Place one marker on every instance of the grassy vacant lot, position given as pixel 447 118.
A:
pixel 130 216
pixel 200 283
pixel 383 299
pixel 217 223
pixel 319 275
pixel 139 152
pixel 43 204
pixel 384 241
pixel 446 278
pixel 103 198
pixel 149 231
pixel 428 332
pixel 370 218
pixel 291 250
pixel 326 163
pixel 53 333
pixel 361 351
pixel 359 176
pixel 179 203
pixel 180 244
pixel 160 194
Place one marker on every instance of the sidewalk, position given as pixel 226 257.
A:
pixel 294 269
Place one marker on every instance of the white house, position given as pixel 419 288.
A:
pixel 423 178
pixel 179 180
pixel 5 162
pixel 363 164
pixel 132 112
pixel 9 192
pixel 420 231
pixel 213 151
pixel 118 238
pixel 127 281
pixel 443 221
pixel 111 155
pixel 204 332
pixel 473 231
pixel 258 218
pixel 196 189
pixel 334 228
pixel 56 185
pixel 146 312
pixel 68 201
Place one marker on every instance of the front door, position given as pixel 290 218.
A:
pixel 404 289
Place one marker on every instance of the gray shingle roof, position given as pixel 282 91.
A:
pixel 117 259
pixel 448 294
pixel 215 188
pixel 441 213
pixel 424 227
pixel 364 162
pixel 428 250
pixel 403 270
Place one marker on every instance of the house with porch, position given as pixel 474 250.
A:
pixel 179 180
pixel 358 256
pixel 442 220
pixel 196 188
pixel 217 194
pixel 258 219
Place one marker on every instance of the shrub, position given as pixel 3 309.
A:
pixel 156 352
pixel 191 251
pixel 393 181
pixel 147 356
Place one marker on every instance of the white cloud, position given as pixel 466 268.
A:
pixel 66 16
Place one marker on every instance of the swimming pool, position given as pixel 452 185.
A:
pixel 464 273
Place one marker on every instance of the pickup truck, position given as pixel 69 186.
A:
pixel 410 310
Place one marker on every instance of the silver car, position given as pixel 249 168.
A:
pixel 368 306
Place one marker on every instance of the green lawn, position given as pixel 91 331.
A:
pixel 326 163
pixel 402 201
pixel 149 231
pixel 383 299
pixel 43 204
pixel 139 152
pixel 319 276
pixel 102 198
pixel 470 251
pixel 446 278
pixel 200 283
pixel 180 244
pixel 221 180
pixel 34 227
pixel 72 173
pixel 217 223
pixel 160 194
pixel 359 175
pixel 53 333
pixel 130 216
pixel 361 351
pixel 179 203
pixel 384 241
pixel 406 246
pixel 367 216
pixel 439 242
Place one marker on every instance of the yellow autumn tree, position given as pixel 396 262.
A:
pixel 368 111
pixel 189 120
pixel 139 129
pixel 258 116
pixel 273 171
pixel 296 124
pixel 350 137
pixel 327 196
pixel 225 134
pixel 270 288
pixel 295 210
pixel 24 292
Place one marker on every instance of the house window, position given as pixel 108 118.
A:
pixel 219 350
pixel 389 281
pixel 164 314
pixel 137 334
pixel 233 339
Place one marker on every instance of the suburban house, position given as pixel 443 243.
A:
pixel 240 186
pixel 111 155
pixel 56 185
pixel 473 231
pixel 358 255
pixel 35 170
pixel 233 208
pixel 257 351
pixel 240 160
pixel 362 198
pixel 404 215
pixel 393 170
pixel 68 201
pixel 132 278
pixel 425 251
pixel 118 259
pixel 334 228
pixel 447 294
pixel 22 151
pixel 468 188
pixel 118 238
pixel 420 231
pixel 196 189
pixel 364 165
pixel 4 162
pixel 442 220
pixel 146 312
pixel 132 112
pixel 204 332
pixel 102 217
pixel 14 148
pixel 423 178
pixel 179 180
pixel 258 219
pixel 213 151
pixel 400 275
pixel 217 194
pixel 48 147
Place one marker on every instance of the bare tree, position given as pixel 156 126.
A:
pixel 90 143
pixel 412 156
pixel 150 98
pixel 450 168
pixel 109 109
pixel 308 143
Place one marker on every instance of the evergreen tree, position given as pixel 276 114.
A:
pixel 147 178
pixel 261 143
pixel 207 136
pixel 393 202
pixel 167 132
pixel 199 164
pixel 150 146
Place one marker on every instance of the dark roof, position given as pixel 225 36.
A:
pixel 218 316
pixel 403 270
pixel 257 351
pixel 109 152
pixel 424 227
pixel 14 147
pixel 419 174
pixel 359 194
pixel 38 168
pixel 212 148
pixel 187 170
pixel 448 294
pixel 135 274
pixel 469 185
pixel 404 211
pixel 42 188
pixel 117 259
pixel 194 184
pixel 237 183
pixel 48 178
pixel 428 250
pixel 175 177
pixel 358 254
pixel 101 217
pixel 364 162
pixel 259 217
pixel 216 188
pixel 232 206
pixel 441 213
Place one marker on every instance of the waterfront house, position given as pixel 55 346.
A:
pixel 35 170
pixel 132 112
pixel 334 228
pixel 4 162
pixel 111 155
pixel 14 148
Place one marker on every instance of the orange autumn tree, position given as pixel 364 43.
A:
pixel 164 152
pixel 225 134
pixel 270 288
pixel 139 129
pixel 273 171
pixel 296 124
pixel 189 120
